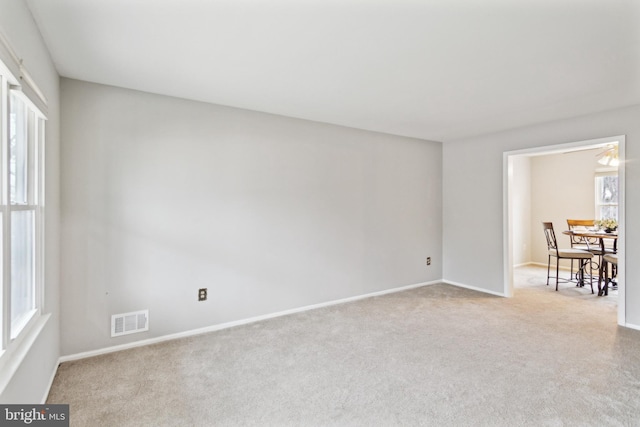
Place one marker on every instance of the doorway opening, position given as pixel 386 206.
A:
pixel 523 235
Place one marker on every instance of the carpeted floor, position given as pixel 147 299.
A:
pixel 437 355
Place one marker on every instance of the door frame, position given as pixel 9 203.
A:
pixel 508 157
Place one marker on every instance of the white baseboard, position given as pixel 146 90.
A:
pixel 631 326
pixel 226 325
pixel 541 264
pixel 531 264
pixel 473 288
pixel 525 264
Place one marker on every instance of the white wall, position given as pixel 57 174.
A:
pixel 473 200
pixel 163 196
pixel 32 378
pixel 521 205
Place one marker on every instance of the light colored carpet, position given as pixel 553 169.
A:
pixel 437 355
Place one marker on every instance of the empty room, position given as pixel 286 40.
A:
pixel 320 213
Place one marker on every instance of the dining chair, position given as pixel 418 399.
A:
pixel 583 257
pixel 604 273
pixel 590 244
pixel 579 242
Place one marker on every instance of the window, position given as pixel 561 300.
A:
pixel 607 195
pixel 21 210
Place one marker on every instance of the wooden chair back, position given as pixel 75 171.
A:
pixel 572 223
pixel 581 223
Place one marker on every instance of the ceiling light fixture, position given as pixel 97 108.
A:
pixel 609 157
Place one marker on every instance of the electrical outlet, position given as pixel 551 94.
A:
pixel 202 294
pixel 428 260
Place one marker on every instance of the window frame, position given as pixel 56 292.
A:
pixel 597 196
pixel 14 332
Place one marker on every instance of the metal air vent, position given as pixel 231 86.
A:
pixel 129 323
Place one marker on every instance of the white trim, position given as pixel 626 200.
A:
pixel 12 330
pixel 227 325
pixel 473 288
pixel 507 227
pixel 524 264
pixel 13 357
pixel 621 244
pixel 565 147
pixel 541 264
pixel 17 91
pixel 18 325
pixel 24 76
pixel 632 326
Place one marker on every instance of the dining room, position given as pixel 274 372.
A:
pixel 578 181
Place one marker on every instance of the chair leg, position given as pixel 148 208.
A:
pixel 580 274
pixel 571 270
pixel 600 276
pixel 604 278
pixel 571 275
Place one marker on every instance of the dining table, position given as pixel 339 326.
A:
pixel 599 236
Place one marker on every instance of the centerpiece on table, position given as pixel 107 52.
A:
pixel 608 224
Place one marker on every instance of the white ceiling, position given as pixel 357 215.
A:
pixel 431 69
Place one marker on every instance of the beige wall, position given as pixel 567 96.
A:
pixel 562 188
